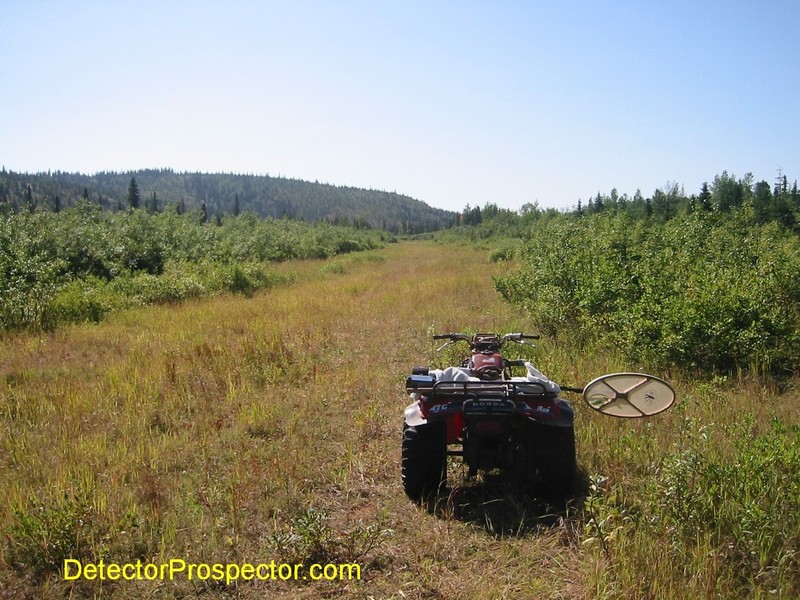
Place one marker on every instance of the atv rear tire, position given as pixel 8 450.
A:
pixel 552 458
pixel 424 465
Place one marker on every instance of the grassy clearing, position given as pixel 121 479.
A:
pixel 237 429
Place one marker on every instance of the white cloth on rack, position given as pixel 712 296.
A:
pixel 533 375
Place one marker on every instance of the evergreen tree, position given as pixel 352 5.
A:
pixel 705 197
pixel 152 208
pixel 29 198
pixel 236 205
pixel 779 210
pixel 598 203
pixel 471 216
pixel 762 201
pixel 727 192
pixel 134 198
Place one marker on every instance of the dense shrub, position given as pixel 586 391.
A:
pixel 29 271
pixel 81 263
pixel 701 291
pixel 82 300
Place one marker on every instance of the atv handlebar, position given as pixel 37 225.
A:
pixel 463 337
pixel 453 337
pixel 515 337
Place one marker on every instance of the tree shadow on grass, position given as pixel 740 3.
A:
pixel 506 507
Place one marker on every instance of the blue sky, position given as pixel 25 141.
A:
pixel 452 103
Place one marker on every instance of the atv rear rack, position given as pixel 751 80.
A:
pixel 425 385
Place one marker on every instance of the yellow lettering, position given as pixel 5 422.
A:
pixel 350 568
pixel 67 563
pixel 176 565
pixel 262 571
pixel 231 573
pixel 285 571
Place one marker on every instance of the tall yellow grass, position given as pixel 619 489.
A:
pixel 245 430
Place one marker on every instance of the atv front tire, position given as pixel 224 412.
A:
pixel 424 464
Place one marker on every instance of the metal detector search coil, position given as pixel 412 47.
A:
pixel 629 395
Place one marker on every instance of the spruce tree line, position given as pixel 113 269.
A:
pixel 223 195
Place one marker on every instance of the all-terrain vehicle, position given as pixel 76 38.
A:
pixel 495 420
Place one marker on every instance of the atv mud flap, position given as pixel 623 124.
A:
pixel 487 424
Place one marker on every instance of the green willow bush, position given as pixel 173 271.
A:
pixel 81 263
pixel 701 291
pixel 29 271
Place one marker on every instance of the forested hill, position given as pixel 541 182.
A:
pixel 224 194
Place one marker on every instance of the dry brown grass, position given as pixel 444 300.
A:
pixel 247 430
pixel 203 431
